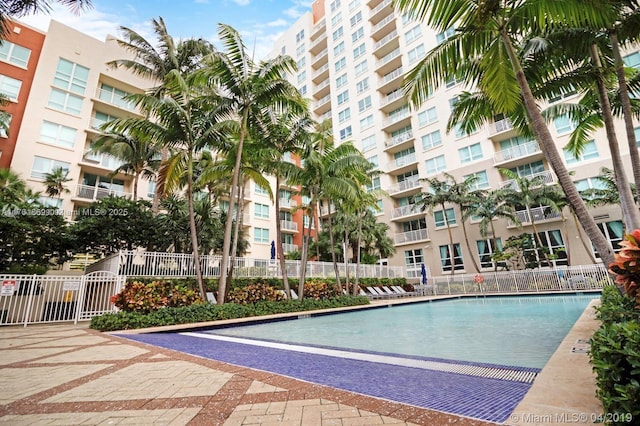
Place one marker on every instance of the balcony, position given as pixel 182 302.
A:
pixel 287 203
pixel 392 100
pixel 319 28
pixel 405 185
pixel 405 211
pixel 93 193
pixel 325 116
pixel 322 89
pixel 411 236
pixel 288 226
pixel 386 44
pixel 321 73
pixel 401 163
pixel 538 214
pixel 389 62
pixel 399 119
pixel 322 105
pixel 518 152
pixel 318 44
pixel 384 27
pixel 288 248
pixel 501 130
pixel 391 80
pixel 320 58
pixel 114 98
pixel 547 178
pixel 99 162
pixel 324 210
pixel 380 11
pixel 399 142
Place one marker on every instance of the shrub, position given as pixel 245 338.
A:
pixel 627 266
pixel 254 293
pixel 319 290
pixel 615 356
pixel 146 297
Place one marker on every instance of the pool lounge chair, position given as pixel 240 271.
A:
pixel 375 293
pixel 390 292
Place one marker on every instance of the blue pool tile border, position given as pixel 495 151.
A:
pixel 470 396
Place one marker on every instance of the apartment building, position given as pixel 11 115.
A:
pixel 352 56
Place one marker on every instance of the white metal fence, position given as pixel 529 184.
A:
pixel 29 299
pixel 583 277
pixel 157 264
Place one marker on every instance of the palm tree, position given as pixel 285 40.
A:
pixel 138 154
pixel 12 188
pixel 488 32
pixel 607 194
pixel 245 90
pixel 54 182
pixel 19 8
pixel 462 195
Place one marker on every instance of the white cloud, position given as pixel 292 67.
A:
pixel 277 23
pixel 298 9
pixel 242 2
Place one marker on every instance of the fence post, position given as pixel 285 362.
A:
pixel 535 282
pixel 32 290
pixel 81 292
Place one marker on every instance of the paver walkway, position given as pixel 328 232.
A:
pixel 70 375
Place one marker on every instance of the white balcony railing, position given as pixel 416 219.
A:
pixel 105 161
pixel 547 178
pixel 388 57
pixel 288 203
pixel 538 214
pixel 405 185
pixel 386 39
pixel 115 98
pixel 90 192
pixel 396 94
pixel 516 152
pixel 289 225
pixel 405 211
pixel 398 139
pixel 402 161
pixel 411 236
pixel 320 70
pixel 379 7
pixel 500 126
pixel 288 248
pixel 392 75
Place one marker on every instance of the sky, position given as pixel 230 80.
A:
pixel 260 22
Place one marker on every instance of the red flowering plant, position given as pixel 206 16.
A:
pixel 626 266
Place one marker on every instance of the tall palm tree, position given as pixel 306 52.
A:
pixel 19 8
pixel 54 182
pixel 12 187
pixel 488 31
pixel 462 195
pixel 138 154
pixel 244 89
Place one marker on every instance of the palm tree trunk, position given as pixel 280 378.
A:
pixel 451 254
pixel 136 177
pixel 305 252
pixel 226 244
pixel 280 250
pixel 567 244
pixel 346 260
pixel 332 245
pixel 630 213
pixel 548 146
pixel 194 232
pixel 155 205
pixel 537 239
pixel 626 110
pixel 466 240
pixel 236 234
pixel 357 282
pixel 493 234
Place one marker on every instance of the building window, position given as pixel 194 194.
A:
pixel 301 62
pixel 589 151
pixel 366 122
pixel 343 97
pixel 116 96
pixel 151 189
pixel 413 34
pixel 341 81
pixel 10 87
pixel 378 208
pixel 486 248
pixel 51 203
pixel 359 51
pixel 302 77
pixel 261 190
pixel 356 19
pixel 364 104
pixel 335 4
pixel 71 76
pixel 374 161
pixel 552 241
pixel 300 50
pixel 369 143
pixel 431 140
pixel 362 85
pixel 445 257
pixel 57 134
pixel 441 37
pixel 336 19
pixel 261 211
pixel 64 101
pixel 357 34
pixel 588 184
pixel 470 153
pixel 42 166
pixel 416 53
pixel 260 235
pixel 14 54
pixel 300 36
pixel 345 133
pixel 361 68
pixel 413 260
pixel 338 33
pixel 440 219
pixel 5 123
pixel 481 180
pixel 340 64
pixel 353 4
pixel 435 165
pixel 564 125
pixel 632 60
pixel 614 232
pixel 427 117
pixel 303 89
pixel 375 184
pixel 344 115
pixel 529 170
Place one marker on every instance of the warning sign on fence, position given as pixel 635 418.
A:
pixel 8 287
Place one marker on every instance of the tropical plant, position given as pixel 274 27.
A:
pixel 487 34
pixel 626 266
pixel 54 182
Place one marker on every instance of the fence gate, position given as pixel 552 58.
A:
pixel 30 299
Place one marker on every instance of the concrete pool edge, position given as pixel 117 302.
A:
pixel 565 390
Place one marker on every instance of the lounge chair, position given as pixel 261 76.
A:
pixel 390 292
pixel 374 293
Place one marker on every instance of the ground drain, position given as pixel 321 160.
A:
pixel 582 346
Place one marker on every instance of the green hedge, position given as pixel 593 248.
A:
pixel 202 312
pixel 615 357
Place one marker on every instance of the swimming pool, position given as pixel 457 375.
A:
pixel 440 380
pixel 510 331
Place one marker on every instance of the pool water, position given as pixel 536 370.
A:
pixel 510 331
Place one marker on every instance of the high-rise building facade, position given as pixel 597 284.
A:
pixel 352 57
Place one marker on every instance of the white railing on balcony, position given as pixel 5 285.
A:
pixel 388 57
pixel 379 7
pixel 325 116
pixel 288 248
pixel 288 225
pixel 320 55
pixel 547 178
pixel 517 151
pixel 113 98
pixel 323 100
pixel 405 185
pixel 396 94
pixel 411 236
pixel 407 210
pixel 89 192
pixel 324 210
pixel 318 40
pixel 321 86
pixel 105 161
pixel 398 139
pixel 399 116
pixel 321 70
pixel 386 39
pixel 402 161
pixel 288 203
pixel 500 126
pixel 392 75
pixel 538 214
